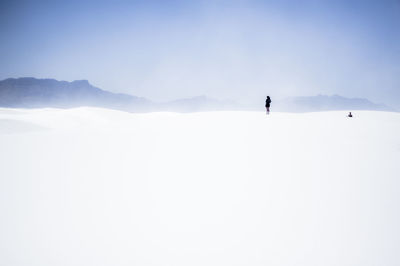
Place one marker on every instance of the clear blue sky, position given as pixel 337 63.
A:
pixel 239 50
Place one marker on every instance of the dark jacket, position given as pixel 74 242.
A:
pixel 268 102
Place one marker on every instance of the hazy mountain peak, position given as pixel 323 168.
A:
pixel 82 82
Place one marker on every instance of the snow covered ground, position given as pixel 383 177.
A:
pixel 91 186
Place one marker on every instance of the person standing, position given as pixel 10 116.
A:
pixel 268 104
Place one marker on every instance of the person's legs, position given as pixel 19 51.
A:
pixel 267 110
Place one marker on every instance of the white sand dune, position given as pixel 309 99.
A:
pixel 90 186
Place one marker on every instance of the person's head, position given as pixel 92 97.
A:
pixel 267 97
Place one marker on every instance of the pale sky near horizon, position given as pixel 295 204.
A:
pixel 238 50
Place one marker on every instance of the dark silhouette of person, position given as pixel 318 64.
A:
pixel 268 104
pixel 350 115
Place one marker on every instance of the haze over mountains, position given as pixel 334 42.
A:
pixel 329 103
pixel 37 93
pixel 40 93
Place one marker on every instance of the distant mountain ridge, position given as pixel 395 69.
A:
pixel 37 93
pixel 198 103
pixel 328 103
pixel 41 93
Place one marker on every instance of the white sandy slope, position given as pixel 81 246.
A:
pixel 91 186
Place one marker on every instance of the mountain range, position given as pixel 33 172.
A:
pixel 328 103
pixel 41 93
